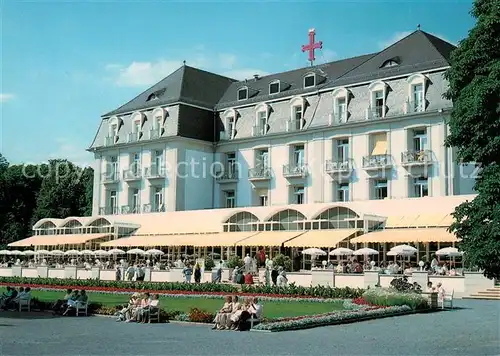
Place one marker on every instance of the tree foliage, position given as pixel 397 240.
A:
pixel 31 192
pixel 474 87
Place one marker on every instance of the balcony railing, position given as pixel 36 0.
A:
pixel 110 177
pixel 375 112
pixel 153 208
pixel 110 140
pixel 132 174
pixel 131 209
pixel 259 173
pixel 134 136
pixel 155 134
pixel 259 130
pixel 295 170
pixel 412 107
pixel 108 210
pixel 227 175
pixel 295 124
pixel 339 117
pixel 336 166
pixel 226 135
pixel 155 172
pixel 416 157
pixel 377 161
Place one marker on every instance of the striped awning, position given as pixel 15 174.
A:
pixel 269 238
pixel 407 235
pixel 54 240
pixel 321 238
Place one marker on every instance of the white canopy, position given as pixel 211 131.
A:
pixel 449 251
pixel 101 253
pixel 136 251
pixel 29 253
pixel 341 251
pixel 56 253
pixel 406 248
pixel 86 252
pixel 17 253
pixel 116 251
pixel 314 252
pixel 4 252
pixel 400 253
pixel 365 251
pixel 155 252
pixel 72 253
pixel 42 252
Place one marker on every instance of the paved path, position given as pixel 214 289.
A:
pixel 471 330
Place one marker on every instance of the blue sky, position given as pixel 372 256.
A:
pixel 64 64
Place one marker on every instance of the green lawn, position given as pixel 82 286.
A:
pixel 271 309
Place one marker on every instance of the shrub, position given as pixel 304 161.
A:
pixel 283 261
pixel 200 316
pixel 235 261
pixel 209 264
pixel 402 285
pixel 389 298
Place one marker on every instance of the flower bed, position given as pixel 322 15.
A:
pixel 391 297
pixel 185 288
pixel 340 317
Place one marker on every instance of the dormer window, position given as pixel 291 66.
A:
pixel 393 62
pixel 309 80
pixel 416 101
pixel 114 125
pixel 230 127
pixel 274 87
pixel 113 131
pixel 152 97
pixel 378 93
pixel 156 95
pixel 243 94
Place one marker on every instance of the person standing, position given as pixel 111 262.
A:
pixel 197 273
pixel 188 272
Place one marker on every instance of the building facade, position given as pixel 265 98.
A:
pixel 365 128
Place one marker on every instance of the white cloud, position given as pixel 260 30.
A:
pixel 227 60
pixel 4 97
pixel 327 55
pixel 73 152
pixel 393 39
pixel 242 74
pixel 142 73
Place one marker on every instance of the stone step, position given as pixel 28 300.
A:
pixel 482 297
pixel 494 291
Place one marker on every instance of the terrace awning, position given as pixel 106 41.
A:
pixel 54 240
pixel 321 238
pixel 407 235
pixel 269 238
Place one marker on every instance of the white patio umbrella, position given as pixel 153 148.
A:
pixel 17 253
pixel 449 252
pixel 56 253
pixel 42 252
pixel 365 251
pixel 154 252
pixel 5 252
pixel 406 248
pixel 101 253
pixel 314 252
pixel 116 251
pixel 29 253
pixel 86 252
pixel 135 251
pixel 72 253
pixel 400 253
pixel 341 251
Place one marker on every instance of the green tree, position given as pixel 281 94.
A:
pixel 4 164
pixel 474 88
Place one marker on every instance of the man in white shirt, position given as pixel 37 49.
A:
pixel 248 263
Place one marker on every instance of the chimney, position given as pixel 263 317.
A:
pixel 256 76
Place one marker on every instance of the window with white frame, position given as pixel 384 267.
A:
pixel 341 109
pixel 112 170
pixel 378 103
pixel 158 123
pixel 274 87
pixel 389 63
pixel 420 187
pixel 263 200
pixel 135 162
pixel 342 193
pixel 231 163
pixel 230 127
pixel 242 94
pixel 158 161
pixel 262 158
pixel 418 97
pixel 113 202
pixel 230 199
pixel 157 199
pixel 262 122
pixel 342 150
pixel 298 156
pixel 419 140
pixel 298 122
pixel 135 200
pixel 309 80
pixel 113 130
pixel 137 126
pixel 378 92
pixel 380 189
pixel 298 194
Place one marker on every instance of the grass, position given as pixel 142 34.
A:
pixel 272 309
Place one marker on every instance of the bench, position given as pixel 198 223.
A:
pixel 25 304
pixel 253 320
pixel 81 308
pixel 447 299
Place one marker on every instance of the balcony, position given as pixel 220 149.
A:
pixel 295 125
pixel 416 158
pixel 375 162
pixel 413 107
pixel 295 170
pixel 227 176
pixel 226 136
pixel 155 172
pixel 110 140
pixel 375 112
pixel 338 167
pixel 108 210
pixel 259 173
pixel 153 208
pixel 155 134
pixel 134 136
pixel 130 209
pixel 131 175
pixel 338 118
pixel 110 177
pixel 259 130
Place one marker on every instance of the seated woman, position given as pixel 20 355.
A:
pixel 62 303
pixel 153 303
pixel 126 312
pixel 255 308
pixel 71 302
pixel 221 319
pixel 141 304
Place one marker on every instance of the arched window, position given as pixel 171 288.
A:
pixel 338 217
pixel 241 221
pixel 288 219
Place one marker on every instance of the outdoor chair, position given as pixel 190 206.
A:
pixel 447 300
pixel 154 314
pixel 25 304
pixel 81 308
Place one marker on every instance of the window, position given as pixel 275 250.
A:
pixel 343 150
pixel 158 123
pixel 243 94
pixel 262 122
pixel 309 80
pixel 263 200
pixel 342 192
pixel 113 169
pixel 389 63
pixel 114 130
pixel 298 156
pixel 274 88
pixel 135 201
pixel 380 187
pixel 420 187
pixel 230 127
pixel 137 126
pixel 419 140
pixel 378 103
pixel 418 97
pixel 263 158
pixel 341 109
pixel 231 163
pixel 298 195
pixel 158 160
pixel 113 202
pixel 230 199
pixel 136 162
pixel 158 199
pixel 297 118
